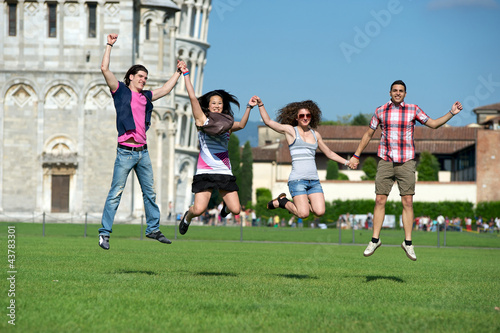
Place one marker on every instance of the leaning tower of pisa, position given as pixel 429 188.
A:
pixel 57 118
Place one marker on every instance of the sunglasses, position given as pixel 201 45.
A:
pixel 303 115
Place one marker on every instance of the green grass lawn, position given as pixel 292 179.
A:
pixel 282 280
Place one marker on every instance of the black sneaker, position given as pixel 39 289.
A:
pixel 183 226
pixel 159 237
pixel 104 241
pixel 223 212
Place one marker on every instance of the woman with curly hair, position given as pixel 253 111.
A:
pixel 297 121
pixel 214 119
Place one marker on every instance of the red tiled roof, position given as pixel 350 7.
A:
pixel 495 106
pixel 345 140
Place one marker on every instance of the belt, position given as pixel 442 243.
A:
pixel 141 148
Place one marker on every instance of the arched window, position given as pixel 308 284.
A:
pixel 12 19
pixel 183 131
pixel 92 19
pixel 148 29
pixel 52 8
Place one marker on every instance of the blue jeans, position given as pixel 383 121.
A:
pixel 125 161
pixel 304 186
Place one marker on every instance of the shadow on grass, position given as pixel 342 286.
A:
pixel 370 278
pixel 127 271
pixel 297 276
pixel 216 274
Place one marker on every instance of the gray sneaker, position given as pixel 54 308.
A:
pixel 370 249
pixel 104 241
pixel 410 252
pixel 159 237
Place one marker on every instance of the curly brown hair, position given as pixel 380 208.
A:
pixel 288 113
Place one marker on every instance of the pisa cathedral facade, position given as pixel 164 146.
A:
pixel 57 117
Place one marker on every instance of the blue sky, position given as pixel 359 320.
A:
pixel 345 54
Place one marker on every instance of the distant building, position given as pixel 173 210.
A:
pixel 489 116
pixel 57 119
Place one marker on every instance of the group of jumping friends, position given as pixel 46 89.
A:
pixel 214 119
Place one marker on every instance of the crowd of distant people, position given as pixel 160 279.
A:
pixel 426 223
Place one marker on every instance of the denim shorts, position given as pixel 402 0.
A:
pixel 304 186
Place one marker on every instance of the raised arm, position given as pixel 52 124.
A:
pixel 435 123
pixel 354 161
pixel 198 114
pixel 280 128
pixel 329 153
pixel 239 125
pixel 110 78
pixel 167 87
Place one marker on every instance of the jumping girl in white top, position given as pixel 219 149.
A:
pixel 298 121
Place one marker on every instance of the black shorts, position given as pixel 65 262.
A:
pixel 206 182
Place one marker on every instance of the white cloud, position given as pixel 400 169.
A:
pixel 445 4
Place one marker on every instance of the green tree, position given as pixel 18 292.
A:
pixel 332 170
pixel 246 175
pixel 343 176
pixel 361 120
pixel 263 196
pixel 341 121
pixel 370 169
pixel 428 167
pixel 235 157
pixel 330 122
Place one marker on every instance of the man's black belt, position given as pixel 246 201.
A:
pixel 141 148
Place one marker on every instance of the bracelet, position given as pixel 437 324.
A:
pixel 355 156
pixel 185 73
pixel 452 114
pixel 261 105
pixel 346 162
pixel 109 44
pixel 250 106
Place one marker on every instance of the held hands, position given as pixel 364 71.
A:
pixel 112 39
pixel 254 101
pixel 456 108
pixel 257 99
pixel 353 163
pixel 181 66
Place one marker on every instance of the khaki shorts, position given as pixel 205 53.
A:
pixel 403 173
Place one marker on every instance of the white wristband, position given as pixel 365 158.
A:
pixel 346 162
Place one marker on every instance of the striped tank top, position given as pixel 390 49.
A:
pixel 303 158
pixel 213 157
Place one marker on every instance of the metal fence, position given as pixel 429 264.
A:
pixel 87 218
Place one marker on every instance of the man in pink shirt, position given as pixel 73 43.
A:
pixel 133 107
pixel 397 158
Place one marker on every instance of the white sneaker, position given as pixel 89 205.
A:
pixel 410 252
pixel 371 248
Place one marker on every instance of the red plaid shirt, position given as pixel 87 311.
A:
pixel 398 126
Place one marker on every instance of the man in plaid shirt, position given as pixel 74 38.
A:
pixel 397 158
